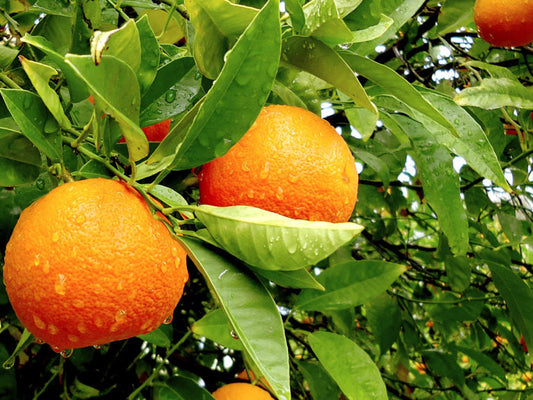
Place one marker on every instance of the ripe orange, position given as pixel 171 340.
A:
pixel 88 264
pixel 290 162
pixel 504 23
pixel 241 391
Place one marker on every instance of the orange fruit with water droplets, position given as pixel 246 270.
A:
pixel 290 162
pixel 241 391
pixel 504 23
pixel 89 263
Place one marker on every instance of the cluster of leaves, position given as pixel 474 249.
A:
pixel 431 300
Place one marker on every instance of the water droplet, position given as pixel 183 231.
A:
pixel 9 363
pixel 292 178
pixel 243 79
pixel 55 236
pixel 263 174
pixel 245 167
pixel 66 353
pixel 52 329
pixel 39 323
pixel 279 194
pixel 39 183
pixel 27 101
pixel 37 260
pixel 59 286
pixel 98 322
pixel 250 194
pixel 164 267
pixel 81 328
pixel 97 346
pixel 168 320
pixel 80 219
pixel 39 341
pixel 170 96
pixel 120 316
pixel 178 262
pixel 51 126
pixel 234 334
pixel 174 251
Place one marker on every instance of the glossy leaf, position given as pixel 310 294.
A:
pixel 216 327
pixel 454 15
pixel 349 365
pixel 496 93
pixel 76 86
pixel 458 272
pixel 180 388
pixel 114 87
pixel 374 31
pixel 295 10
pixel 34 120
pixel 400 11
pixel 271 241
pixel 149 48
pixel 40 75
pixel 20 161
pixel 323 22
pixel 227 110
pixel 394 84
pixel 350 284
pixel 313 56
pixel 297 279
pixel 246 302
pixel 444 364
pixel 441 183
pixel 218 23
pixel 484 361
pixel 161 337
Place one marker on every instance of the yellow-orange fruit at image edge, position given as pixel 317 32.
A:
pixel 290 162
pixel 504 23
pixel 241 391
pixel 88 264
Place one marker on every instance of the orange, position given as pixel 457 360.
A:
pixel 241 391
pixel 504 23
pixel 88 264
pixel 290 162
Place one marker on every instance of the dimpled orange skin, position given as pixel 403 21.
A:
pixel 290 162
pixel 87 264
pixel 505 23
pixel 241 391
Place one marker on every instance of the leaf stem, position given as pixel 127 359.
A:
pixel 8 81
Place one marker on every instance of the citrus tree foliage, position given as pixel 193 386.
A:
pixel 425 294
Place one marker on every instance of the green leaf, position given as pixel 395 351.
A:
pixel 374 31
pixel 239 93
pixel 297 279
pixel 444 364
pixel 395 85
pixel 114 87
pixel 377 164
pixel 180 388
pixel 518 296
pixel 40 75
pixel 149 54
pixel 161 337
pixel 483 360
pixel 34 120
pixel 441 183
pixel 83 391
pixel 455 14
pixel 77 88
pixel 321 384
pixel 20 161
pixel 349 365
pixel 271 241
pixel 122 43
pixel 400 11
pixel 217 23
pixel 350 284
pixel 315 57
pixel 495 93
pixel 323 22
pixel 458 272
pixel 384 317
pixel 252 314
pixel 296 12
pixel 94 169
pixel 216 327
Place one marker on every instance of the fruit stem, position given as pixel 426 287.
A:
pixel 521 134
